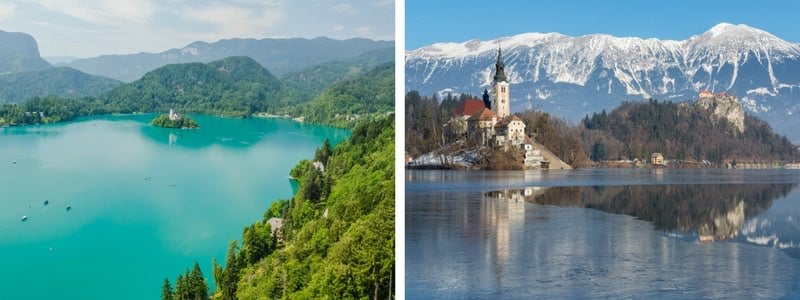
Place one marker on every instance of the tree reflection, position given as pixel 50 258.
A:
pixel 711 212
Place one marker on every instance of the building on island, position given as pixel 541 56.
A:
pixel 509 131
pixel 482 124
pixel 173 116
pixel 489 121
pixel 657 158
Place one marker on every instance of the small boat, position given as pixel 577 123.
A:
pixel 24 218
pixel 172 185
pixel 69 207
pixel 14 162
pixel 46 202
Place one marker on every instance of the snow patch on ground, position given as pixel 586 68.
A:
pixel 754 105
pixel 463 159
pixel 543 94
pixel 761 91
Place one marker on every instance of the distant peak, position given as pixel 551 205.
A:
pixel 723 28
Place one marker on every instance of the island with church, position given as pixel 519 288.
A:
pixel 484 134
pixel 174 120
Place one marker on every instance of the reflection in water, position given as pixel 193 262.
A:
pixel 172 138
pixel 465 243
pixel 699 212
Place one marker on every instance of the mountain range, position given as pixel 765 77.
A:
pixel 575 76
pixel 278 55
pixel 306 66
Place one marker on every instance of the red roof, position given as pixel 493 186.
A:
pixel 469 107
pixel 484 115
pixel 507 120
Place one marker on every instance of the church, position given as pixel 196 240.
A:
pixel 490 121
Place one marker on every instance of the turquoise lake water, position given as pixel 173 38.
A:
pixel 146 202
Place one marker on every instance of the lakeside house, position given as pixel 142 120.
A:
pixel 657 159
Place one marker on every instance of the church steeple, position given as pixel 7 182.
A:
pixel 501 102
pixel 499 67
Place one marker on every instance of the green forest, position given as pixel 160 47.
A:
pixel 233 87
pixel 337 238
pixel 634 130
pixel 60 81
pixel 683 132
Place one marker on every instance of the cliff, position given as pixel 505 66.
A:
pixel 723 106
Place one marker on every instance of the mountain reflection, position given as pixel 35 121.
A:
pixel 713 212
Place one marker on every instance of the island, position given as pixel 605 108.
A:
pixel 174 120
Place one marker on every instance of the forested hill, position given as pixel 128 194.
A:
pixel 312 80
pixel 681 131
pixel 61 81
pixel 337 235
pixel 348 101
pixel 234 86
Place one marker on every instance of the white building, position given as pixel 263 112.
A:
pixel 510 131
pixel 173 116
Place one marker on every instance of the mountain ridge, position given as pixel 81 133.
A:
pixel 575 76
pixel 278 55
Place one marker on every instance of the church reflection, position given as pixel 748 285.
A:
pixel 703 213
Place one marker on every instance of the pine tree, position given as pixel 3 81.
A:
pixel 197 286
pixel 181 292
pixel 166 290
pixel 324 152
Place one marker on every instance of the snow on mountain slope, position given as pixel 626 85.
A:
pixel 573 76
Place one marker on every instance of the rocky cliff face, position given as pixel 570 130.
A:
pixel 19 52
pixel 723 106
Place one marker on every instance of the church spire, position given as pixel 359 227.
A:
pixel 499 66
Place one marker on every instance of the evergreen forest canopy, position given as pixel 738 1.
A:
pixel 634 130
pixel 235 87
pixel 63 81
pixel 337 238
pixel 683 132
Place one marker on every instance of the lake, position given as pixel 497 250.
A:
pixel 608 233
pixel 146 202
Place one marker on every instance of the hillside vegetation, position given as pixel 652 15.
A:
pixel 337 239
pixel 683 132
pixel 361 97
pixel 235 86
pixel 61 81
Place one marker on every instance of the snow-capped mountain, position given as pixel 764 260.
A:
pixel 575 76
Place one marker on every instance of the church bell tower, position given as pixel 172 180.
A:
pixel 502 103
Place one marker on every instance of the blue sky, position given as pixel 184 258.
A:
pixel 93 27
pixel 429 21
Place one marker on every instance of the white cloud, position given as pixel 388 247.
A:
pixel 6 10
pixel 235 21
pixel 344 8
pixel 94 27
pixel 104 12
pixel 364 30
